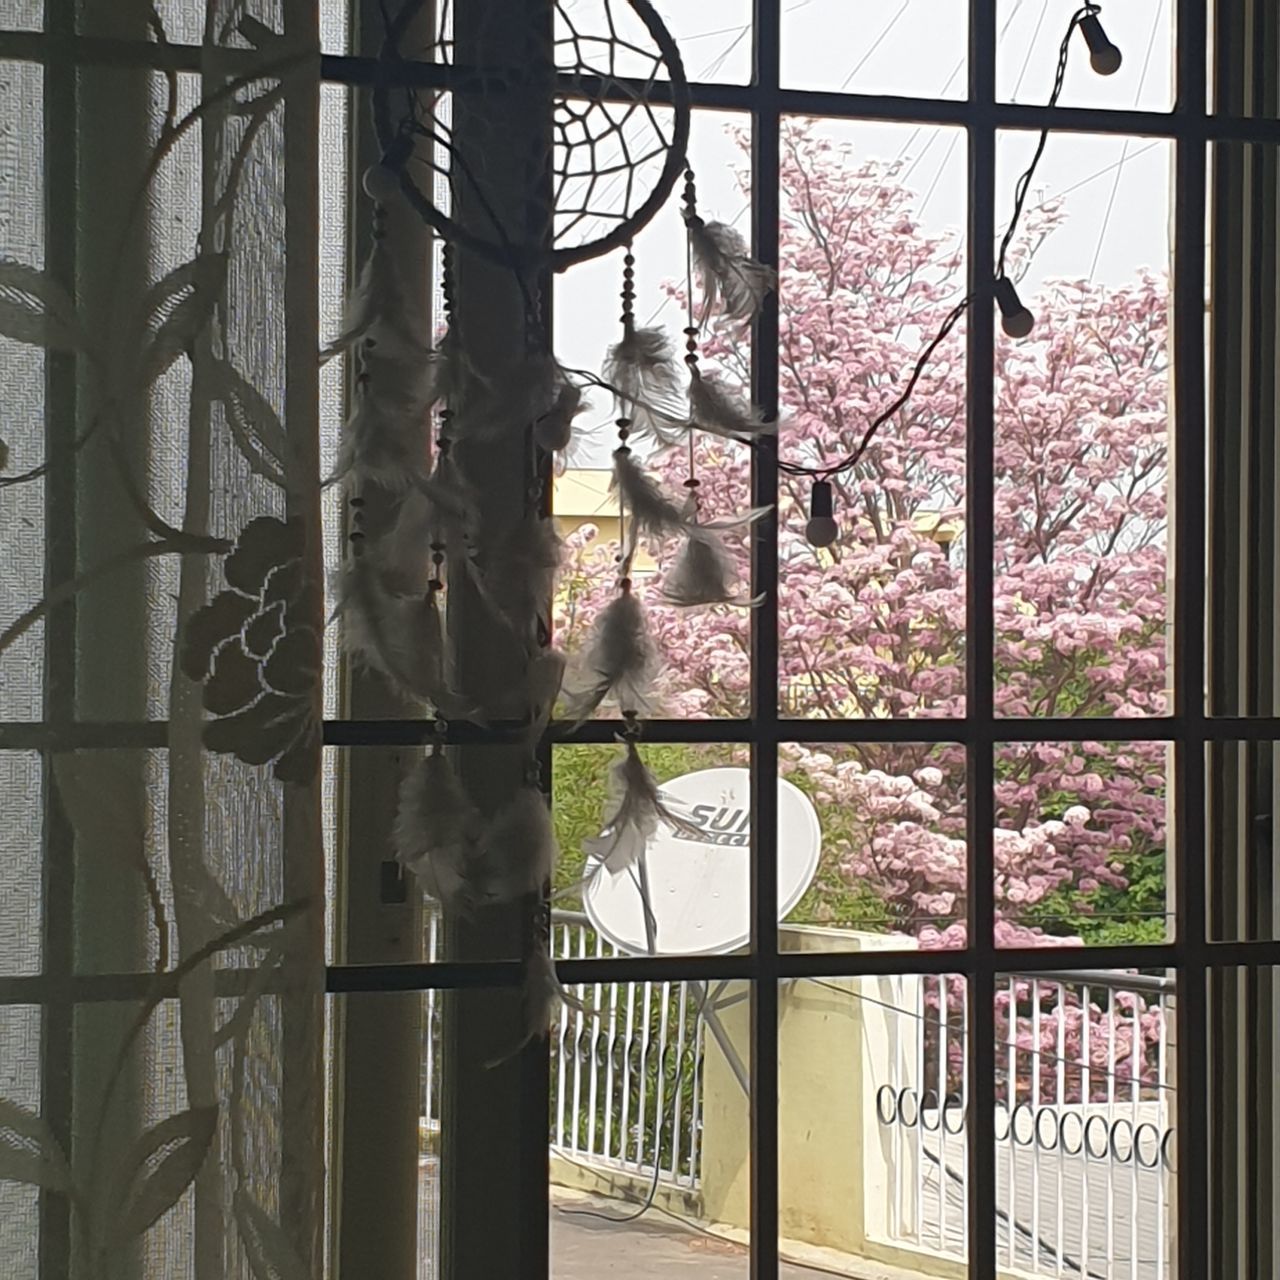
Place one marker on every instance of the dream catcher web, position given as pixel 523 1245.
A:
pixel 615 156
pixel 610 142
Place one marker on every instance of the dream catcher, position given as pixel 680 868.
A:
pixel 609 86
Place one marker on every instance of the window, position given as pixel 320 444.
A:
pixel 988 875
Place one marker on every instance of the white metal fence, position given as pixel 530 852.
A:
pixel 1085 1153
pixel 626 1066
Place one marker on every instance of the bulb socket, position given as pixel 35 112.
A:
pixel 821 529
pixel 1104 57
pixel 1015 319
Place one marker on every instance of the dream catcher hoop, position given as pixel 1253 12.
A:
pixel 615 160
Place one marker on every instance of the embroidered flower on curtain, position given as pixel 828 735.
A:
pixel 258 656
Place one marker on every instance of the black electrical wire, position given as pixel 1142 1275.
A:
pixel 953 317
pixel 668 1121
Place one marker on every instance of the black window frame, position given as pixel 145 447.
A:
pixel 1191 127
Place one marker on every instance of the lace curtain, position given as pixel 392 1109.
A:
pixel 162 606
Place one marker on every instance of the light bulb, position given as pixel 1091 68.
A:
pixel 1015 319
pixel 381 183
pixel 1104 57
pixel 821 529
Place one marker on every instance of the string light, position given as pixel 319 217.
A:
pixel 821 529
pixel 1016 319
pixel 1104 57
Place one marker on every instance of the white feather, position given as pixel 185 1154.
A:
pixel 644 375
pixel 383 443
pixel 378 312
pixel 435 831
pixel 651 512
pixel 553 431
pixel 619 660
pixel 715 408
pixel 541 994
pixel 703 573
pixel 399 635
pixel 729 276
pixel 503 405
pixel 517 850
pixel 515 575
pixel 546 676
pixel 635 809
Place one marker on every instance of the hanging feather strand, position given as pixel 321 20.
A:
pixel 716 409
pixel 541 994
pixel 619 660
pixel 652 513
pixel 435 831
pixel 646 380
pixel 730 277
pixel 517 851
pixel 704 573
pixel 635 809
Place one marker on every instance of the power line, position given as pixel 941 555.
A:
pixel 875 44
pixel 1026 61
pixel 1124 151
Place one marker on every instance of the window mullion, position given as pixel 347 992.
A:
pixel 765 143
pixel 1188 441
pixel 980 642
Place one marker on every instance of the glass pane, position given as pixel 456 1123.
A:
pixel 703 669
pixel 1241 397
pixel 1081 846
pixel 22 15
pixel 1243 781
pixel 1240 1094
pixel 21 863
pixel 871 1124
pixel 387 1081
pixel 859 46
pixel 1082 406
pixel 22 443
pixel 1084 1125
pixel 872 622
pixel 1031 37
pixel 20 1079
pixel 650 1132
pixel 889 870
pixel 679 886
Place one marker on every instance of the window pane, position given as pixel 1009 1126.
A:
pixel 871 1124
pixel 21 882
pixel 1082 405
pixel 871 264
pixel 1031 36
pixel 1241 1096
pixel 683 890
pixel 1243 780
pixel 859 46
pixel 890 870
pixel 1084 1126
pixel 1081 844
pixel 1243 465
pixel 20 1084
pixel 704 662
pixel 650 1134
pixel 22 15
pixel 22 505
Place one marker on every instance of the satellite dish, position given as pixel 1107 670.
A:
pixel 700 889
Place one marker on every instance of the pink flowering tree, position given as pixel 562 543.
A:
pixel 874 626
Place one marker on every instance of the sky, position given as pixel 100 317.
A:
pixel 1116 191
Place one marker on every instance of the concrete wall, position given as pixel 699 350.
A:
pixel 837 1043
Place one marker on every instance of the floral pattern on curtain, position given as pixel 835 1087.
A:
pixel 161 614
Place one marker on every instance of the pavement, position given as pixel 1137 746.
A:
pixel 650 1248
